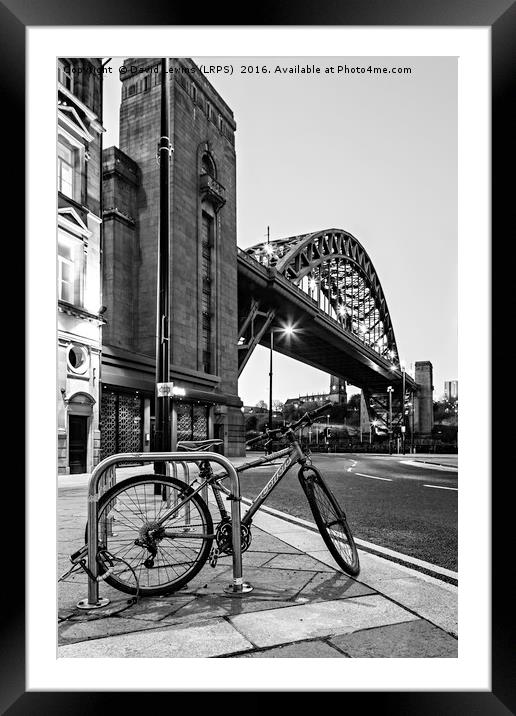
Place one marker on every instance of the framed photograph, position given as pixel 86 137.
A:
pixel 368 139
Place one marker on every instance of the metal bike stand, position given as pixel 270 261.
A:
pixel 237 587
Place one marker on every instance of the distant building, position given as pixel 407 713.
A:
pixel 337 394
pixel 451 389
pixel 254 410
pixel 79 318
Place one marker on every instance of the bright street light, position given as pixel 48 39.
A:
pixel 287 330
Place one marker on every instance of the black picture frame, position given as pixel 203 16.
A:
pixel 500 16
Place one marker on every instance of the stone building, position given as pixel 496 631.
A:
pixel 203 262
pixel 79 317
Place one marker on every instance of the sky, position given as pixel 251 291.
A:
pixel 373 154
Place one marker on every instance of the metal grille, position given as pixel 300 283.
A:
pixel 184 421
pixel 192 422
pixel 108 441
pixel 129 423
pixel 121 423
pixel 200 422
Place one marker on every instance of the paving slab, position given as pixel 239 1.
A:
pixel 252 559
pixel 301 650
pixel 322 619
pixel 328 586
pixel 297 561
pixel 213 638
pixel 278 584
pixel 414 639
pixel 77 631
pixel 264 542
pixel 432 599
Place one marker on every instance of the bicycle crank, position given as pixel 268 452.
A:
pixel 224 536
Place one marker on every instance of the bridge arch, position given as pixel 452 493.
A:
pixel 335 271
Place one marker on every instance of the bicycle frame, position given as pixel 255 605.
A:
pixel 293 453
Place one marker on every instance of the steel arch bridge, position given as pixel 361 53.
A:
pixel 326 285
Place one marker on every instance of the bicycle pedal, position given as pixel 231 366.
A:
pixel 214 556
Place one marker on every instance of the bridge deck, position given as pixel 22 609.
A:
pixel 319 340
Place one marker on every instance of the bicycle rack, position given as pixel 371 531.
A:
pixel 237 588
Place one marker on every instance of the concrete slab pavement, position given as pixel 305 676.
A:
pixel 302 605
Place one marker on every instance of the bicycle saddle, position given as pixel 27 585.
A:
pixel 197 445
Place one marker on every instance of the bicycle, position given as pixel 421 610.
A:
pixel 160 532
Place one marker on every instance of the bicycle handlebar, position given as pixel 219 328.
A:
pixel 307 419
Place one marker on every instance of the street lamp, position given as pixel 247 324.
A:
pixel 374 423
pixel 288 331
pixel 402 365
pixel 327 431
pixel 390 390
pixel 411 406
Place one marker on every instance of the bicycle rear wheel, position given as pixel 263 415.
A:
pixel 151 559
pixel 331 520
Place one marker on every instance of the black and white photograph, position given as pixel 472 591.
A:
pixel 257 357
pixel 258 267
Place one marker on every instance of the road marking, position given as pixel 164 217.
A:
pixel 429 465
pixel 373 477
pixel 408 559
pixel 440 487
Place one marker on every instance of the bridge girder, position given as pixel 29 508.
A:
pixel 323 341
pixel 334 270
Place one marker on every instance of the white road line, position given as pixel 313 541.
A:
pixel 373 477
pixel 440 487
pixel 429 465
pixel 360 543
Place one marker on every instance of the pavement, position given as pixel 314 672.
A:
pixel 302 605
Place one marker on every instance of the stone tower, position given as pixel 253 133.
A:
pixel 203 265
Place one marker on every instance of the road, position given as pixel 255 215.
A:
pixel 391 501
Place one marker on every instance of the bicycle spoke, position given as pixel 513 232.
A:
pixel 131 513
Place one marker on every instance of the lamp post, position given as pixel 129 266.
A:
pixel 163 435
pixel 413 404
pixel 390 391
pixel 288 330
pixel 403 408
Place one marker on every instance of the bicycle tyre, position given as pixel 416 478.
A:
pixel 331 520
pixel 133 506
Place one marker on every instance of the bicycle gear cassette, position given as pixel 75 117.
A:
pixel 225 539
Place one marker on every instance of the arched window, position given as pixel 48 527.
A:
pixel 208 165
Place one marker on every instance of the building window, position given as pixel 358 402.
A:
pixel 66 161
pixel 77 359
pixel 206 303
pixel 64 74
pixel 208 166
pixel 69 268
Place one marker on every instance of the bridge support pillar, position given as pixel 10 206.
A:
pixel 424 403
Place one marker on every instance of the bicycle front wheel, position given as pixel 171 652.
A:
pixel 149 557
pixel 331 520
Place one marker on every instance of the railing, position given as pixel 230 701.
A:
pixel 102 473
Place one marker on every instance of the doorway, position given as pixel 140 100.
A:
pixel 78 437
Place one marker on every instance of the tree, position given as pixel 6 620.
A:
pixel 261 404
